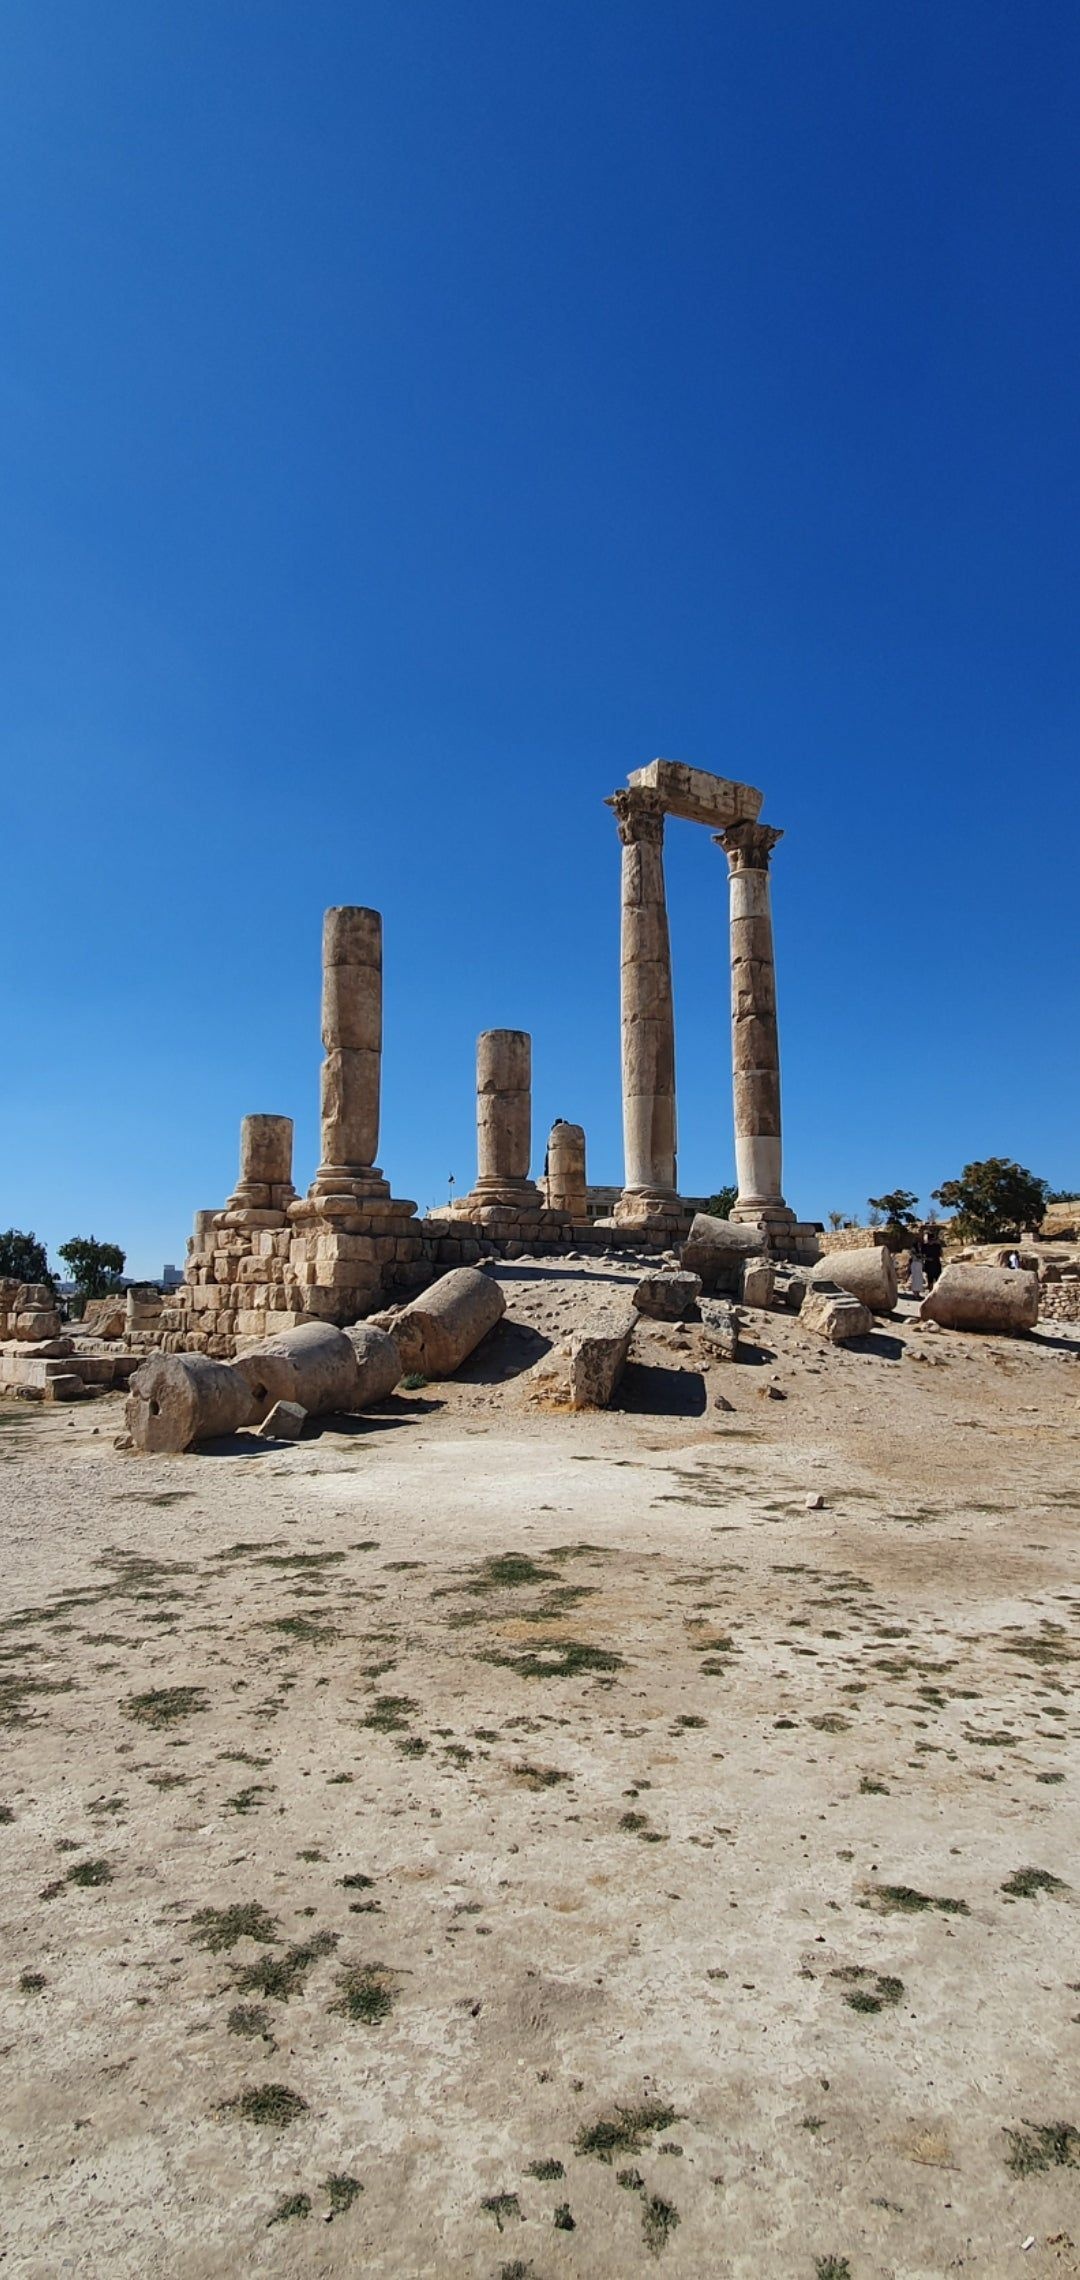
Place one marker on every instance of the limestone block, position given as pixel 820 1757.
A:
pixel 719 1329
pixel 716 1248
pixel 314 1365
pixel 176 1399
pixel 834 1314
pixel 378 1361
pixel 438 1331
pixel 596 1357
pixel 869 1275
pixel 67 1386
pixel 37 1322
pixel 284 1422
pixel 697 796
pixel 667 1296
pixel 983 1298
pixel 757 1282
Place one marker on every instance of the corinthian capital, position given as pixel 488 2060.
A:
pixel 748 846
pixel 639 814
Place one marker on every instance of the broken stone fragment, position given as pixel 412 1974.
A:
pixel 284 1422
pixel 757 1282
pixel 596 1357
pixel 715 1250
pixel 666 1297
pixel 869 1275
pixel 378 1362
pixel 983 1298
pixel 719 1329
pixel 834 1314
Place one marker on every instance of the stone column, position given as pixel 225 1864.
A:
pixel 648 1018
pixel 566 1190
pixel 352 1040
pixel 755 1047
pixel 265 1181
pixel 504 1117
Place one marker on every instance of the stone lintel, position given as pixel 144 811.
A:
pixel 696 796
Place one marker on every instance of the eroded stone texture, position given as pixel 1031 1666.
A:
pixel 352 1043
pixel 314 1365
pixel 438 1331
pixel 566 1187
pixel 648 1017
pixel 667 1297
pixel 504 1116
pixel 755 1044
pixel 176 1399
pixel 834 1314
pixel 983 1298
pixel 696 796
pixel 869 1274
pixel 716 1250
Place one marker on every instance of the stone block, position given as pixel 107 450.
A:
pixel 868 1273
pixel 66 1386
pixel 834 1314
pixel 716 1248
pixel 284 1422
pixel 756 1282
pixel 719 1329
pixel 667 1296
pixel 596 1357
pixel 983 1298
pixel 438 1331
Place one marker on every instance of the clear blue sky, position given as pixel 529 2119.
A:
pixel 417 414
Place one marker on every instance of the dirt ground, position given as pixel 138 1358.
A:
pixel 481 1840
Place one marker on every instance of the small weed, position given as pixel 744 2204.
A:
pixel 357 1883
pixel 6 1813
pixel 544 2169
pixel 500 2205
pixel 281 1976
pixel 658 2221
pixel 831 2268
pixel 246 1800
pixel 871 1788
pixel 32 1982
pixel 272 2104
pixel 219 1928
pixel 625 2129
pixel 1043 2145
pixel 1024 1883
pixel 562 2219
pixel 90 1872
pixel 389 1713
pixel 631 2180
pixel 412 1745
pixel 342 2191
pixel 413 1382
pixel 303 1627
pixel 163 1705
pixel 904 1900
pixel 831 1723
pixel 292 2205
pixel 557 1658
pixel 249 2019
pixel 367 1994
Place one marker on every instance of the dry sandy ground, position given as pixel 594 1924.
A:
pixel 526 1844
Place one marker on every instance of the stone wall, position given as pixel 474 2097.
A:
pixel 28 1310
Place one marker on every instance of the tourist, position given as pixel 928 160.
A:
pixel 931 1255
pixel 916 1276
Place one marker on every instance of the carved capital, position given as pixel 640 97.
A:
pixel 748 846
pixel 639 815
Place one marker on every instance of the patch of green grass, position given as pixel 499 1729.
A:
pixel 90 1872
pixel 557 1658
pixel 220 1928
pixel 303 1627
pixel 1050 1779
pixel 413 1382
pixel 904 1900
pixel 301 1559
pixel 246 1800
pixel 281 1976
pixel 502 2205
pixel 544 2169
pixel 1043 2145
pixel 341 2190
pixel 271 2104
pixel 390 1713
pixel 413 1745
pixel 356 1882
pixel 539 1776
pixel 626 2129
pixel 249 2019
pixel 562 2219
pixel 32 1983
pixel 658 2221
pixel 292 2205
pixel 868 1787
pixel 163 1705
pixel 1024 1883
pixel 367 1994
pixel 831 2268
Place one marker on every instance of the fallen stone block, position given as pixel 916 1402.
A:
pixel 715 1250
pixel 834 1314
pixel 65 1386
pixel 596 1357
pixel 666 1297
pixel 756 1282
pixel 284 1422
pixel 438 1331
pixel 378 1362
pixel 983 1298
pixel 176 1399
pixel 719 1329
pixel 869 1275
pixel 314 1365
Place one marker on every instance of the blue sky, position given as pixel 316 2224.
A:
pixel 416 415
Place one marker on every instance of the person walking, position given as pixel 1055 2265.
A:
pixel 916 1275
pixel 931 1255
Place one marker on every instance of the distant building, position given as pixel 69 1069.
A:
pixel 171 1277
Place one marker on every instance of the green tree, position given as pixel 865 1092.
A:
pixel 23 1258
pixel 993 1201
pixel 95 1267
pixel 719 1205
pixel 899 1209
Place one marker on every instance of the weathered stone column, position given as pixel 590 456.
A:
pixel 648 1018
pixel 755 1047
pixel 265 1181
pixel 565 1171
pixel 504 1117
pixel 352 1040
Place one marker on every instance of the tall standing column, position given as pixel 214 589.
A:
pixel 352 1040
pixel 648 1015
pixel 504 1116
pixel 755 1045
